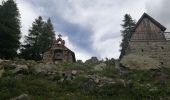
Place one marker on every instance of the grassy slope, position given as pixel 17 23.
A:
pixel 141 85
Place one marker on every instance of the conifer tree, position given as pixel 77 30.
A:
pixel 128 28
pixel 9 29
pixel 40 37
pixel 31 49
pixel 47 37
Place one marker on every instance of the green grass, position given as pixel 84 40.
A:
pixel 139 85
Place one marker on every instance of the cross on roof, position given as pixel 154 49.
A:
pixel 59 35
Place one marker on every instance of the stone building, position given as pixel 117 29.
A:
pixel 58 53
pixel 149 38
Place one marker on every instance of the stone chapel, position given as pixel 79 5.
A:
pixel 58 52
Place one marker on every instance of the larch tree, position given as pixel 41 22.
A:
pixel 128 28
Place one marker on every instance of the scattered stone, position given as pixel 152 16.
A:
pixel 100 67
pixel 21 97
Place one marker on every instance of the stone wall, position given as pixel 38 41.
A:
pixel 48 57
pixel 68 56
pixel 159 50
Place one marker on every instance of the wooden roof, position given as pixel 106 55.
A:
pixel 148 29
pixel 145 15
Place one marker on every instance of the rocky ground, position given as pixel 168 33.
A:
pixel 97 80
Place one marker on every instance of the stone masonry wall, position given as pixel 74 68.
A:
pixel 48 57
pixel 158 50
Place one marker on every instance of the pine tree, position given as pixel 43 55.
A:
pixel 47 36
pixel 31 49
pixel 40 37
pixel 9 29
pixel 128 28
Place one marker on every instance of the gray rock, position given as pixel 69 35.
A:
pixel 1 60
pixel 19 76
pixel 69 77
pixel 61 80
pixel 89 85
pixel 10 66
pixel 93 60
pixel 97 80
pixel 46 69
pixel 100 67
pixel 74 72
pixel 1 72
pixel 20 69
pixel 117 64
pixel 153 89
pixel 1 67
pixel 21 97
pixel 100 81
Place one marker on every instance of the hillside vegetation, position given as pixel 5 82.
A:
pixel 30 80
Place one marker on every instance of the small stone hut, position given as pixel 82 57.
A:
pixel 58 53
pixel 149 38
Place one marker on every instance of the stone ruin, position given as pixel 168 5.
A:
pixel 150 39
pixel 58 53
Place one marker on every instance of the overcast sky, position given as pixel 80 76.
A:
pixel 91 27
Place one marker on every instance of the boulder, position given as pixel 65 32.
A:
pixel 21 97
pixel 100 81
pixel 10 66
pixel 89 85
pixel 97 80
pixel 74 72
pixel 100 67
pixel 45 68
pixel 21 69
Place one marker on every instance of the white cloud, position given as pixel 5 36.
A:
pixel 28 15
pixel 160 11
pixel 79 53
pixel 104 18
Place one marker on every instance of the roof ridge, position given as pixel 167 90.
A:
pixel 152 19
